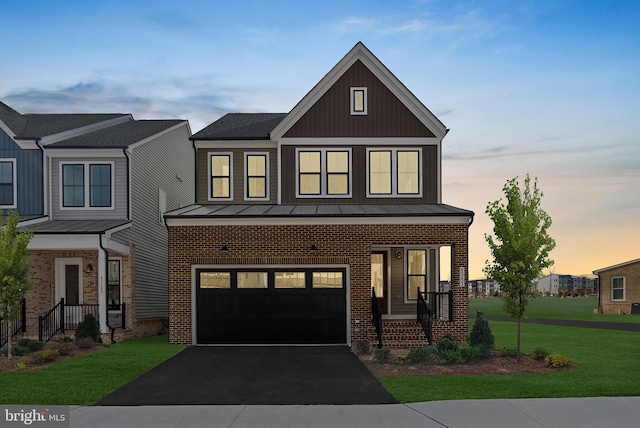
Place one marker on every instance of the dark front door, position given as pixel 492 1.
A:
pixel 271 306
pixel 379 279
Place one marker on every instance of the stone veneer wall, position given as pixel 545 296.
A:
pixel 337 244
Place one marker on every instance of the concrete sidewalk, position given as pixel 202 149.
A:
pixel 610 412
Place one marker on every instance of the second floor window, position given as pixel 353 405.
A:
pixel 7 183
pixel 256 176
pixel 324 173
pixel 394 172
pixel 220 167
pixel 87 185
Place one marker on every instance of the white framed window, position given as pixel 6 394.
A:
pixel 221 176
pixel 428 269
pixel 8 184
pixel 417 279
pixel 394 172
pixel 358 100
pixel 256 176
pixel 618 288
pixel 86 185
pixel 114 284
pixel 324 173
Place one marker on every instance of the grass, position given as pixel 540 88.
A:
pixel 607 360
pixel 574 308
pixel 86 379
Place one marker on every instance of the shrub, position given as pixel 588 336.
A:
pixel 63 348
pixel 508 352
pixel 469 353
pixel 45 356
pixel 85 343
pixel 382 355
pixel 18 351
pixel 64 339
pixel 557 360
pixel 361 347
pixel 481 333
pixel 20 366
pixel 451 356
pixel 447 344
pixel 89 327
pixel 421 355
pixel 540 353
pixel 31 345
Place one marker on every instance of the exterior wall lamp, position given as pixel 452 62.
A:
pixel 89 268
pixel 224 249
pixel 313 249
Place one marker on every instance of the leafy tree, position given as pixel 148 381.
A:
pixel 14 270
pixel 521 246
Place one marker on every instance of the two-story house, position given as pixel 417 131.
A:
pixel 93 188
pixel 309 224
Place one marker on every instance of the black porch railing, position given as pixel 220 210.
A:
pixel 434 306
pixel 63 317
pixel 376 316
pixel 15 327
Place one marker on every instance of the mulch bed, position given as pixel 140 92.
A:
pixel 13 364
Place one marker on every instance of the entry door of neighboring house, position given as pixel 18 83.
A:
pixel 379 279
pixel 69 288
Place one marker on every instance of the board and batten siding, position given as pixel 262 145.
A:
pixel 164 163
pixel 120 192
pixel 30 199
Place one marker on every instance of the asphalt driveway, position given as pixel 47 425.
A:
pixel 255 375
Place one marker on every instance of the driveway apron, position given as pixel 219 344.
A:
pixel 255 375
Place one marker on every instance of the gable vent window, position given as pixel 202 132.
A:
pixel 358 101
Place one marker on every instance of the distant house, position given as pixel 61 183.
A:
pixel 309 224
pixel 619 288
pixel 483 287
pixel 93 188
pixel 566 285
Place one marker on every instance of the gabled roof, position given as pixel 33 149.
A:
pixel 597 272
pixel 360 53
pixel 241 126
pixel 118 136
pixel 37 125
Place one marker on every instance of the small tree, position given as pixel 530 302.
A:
pixel 14 270
pixel 521 247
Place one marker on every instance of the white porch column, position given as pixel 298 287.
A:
pixel 102 290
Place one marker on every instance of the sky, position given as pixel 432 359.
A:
pixel 545 88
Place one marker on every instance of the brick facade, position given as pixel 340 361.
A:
pixel 337 245
pixel 631 273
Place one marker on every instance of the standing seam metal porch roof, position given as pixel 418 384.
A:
pixel 76 227
pixel 317 210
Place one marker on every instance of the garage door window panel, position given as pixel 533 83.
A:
pixel 289 280
pixel 252 280
pixel 219 280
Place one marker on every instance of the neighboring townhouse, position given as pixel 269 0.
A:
pixel 310 224
pixel 93 188
pixel 619 288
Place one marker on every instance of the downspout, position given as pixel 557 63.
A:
pixel 106 297
pixel 124 151
pixel 195 171
pixel 44 177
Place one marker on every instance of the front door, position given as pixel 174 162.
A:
pixel 379 279
pixel 69 288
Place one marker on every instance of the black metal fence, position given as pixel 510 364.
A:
pixel 434 306
pixel 15 327
pixel 63 317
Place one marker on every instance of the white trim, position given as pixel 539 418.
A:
pixel 118 259
pixel 60 262
pixel 246 176
pixel 64 242
pixel 315 220
pixel 394 172
pixel 360 141
pixel 624 288
pixel 352 105
pixel 14 170
pixel 114 246
pixel 87 186
pixel 194 268
pixel 360 52
pixel 54 138
pixel 597 272
pixel 324 173
pixel 84 153
pixel 237 144
pixel 209 155
pixel 31 222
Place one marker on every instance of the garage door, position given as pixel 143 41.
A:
pixel 271 306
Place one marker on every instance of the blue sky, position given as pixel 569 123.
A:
pixel 549 88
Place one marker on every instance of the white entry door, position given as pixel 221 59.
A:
pixel 69 288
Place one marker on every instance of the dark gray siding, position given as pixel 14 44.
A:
pixel 154 166
pixel 29 175
pixel 238 175
pixel 359 179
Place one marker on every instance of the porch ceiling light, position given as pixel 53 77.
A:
pixel 89 268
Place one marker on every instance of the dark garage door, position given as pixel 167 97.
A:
pixel 271 306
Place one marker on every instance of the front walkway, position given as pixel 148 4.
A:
pixel 610 412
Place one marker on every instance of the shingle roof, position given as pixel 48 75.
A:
pixel 37 125
pixel 317 210
pixel 241 126
pixel 118 136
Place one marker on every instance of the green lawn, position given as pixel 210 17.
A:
pixel 608 366
pixel 575 308
pixel 86 379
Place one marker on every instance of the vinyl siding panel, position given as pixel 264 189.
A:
pixel 203 175
pixel 30 199
pixel 120 194
pixel 155 165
